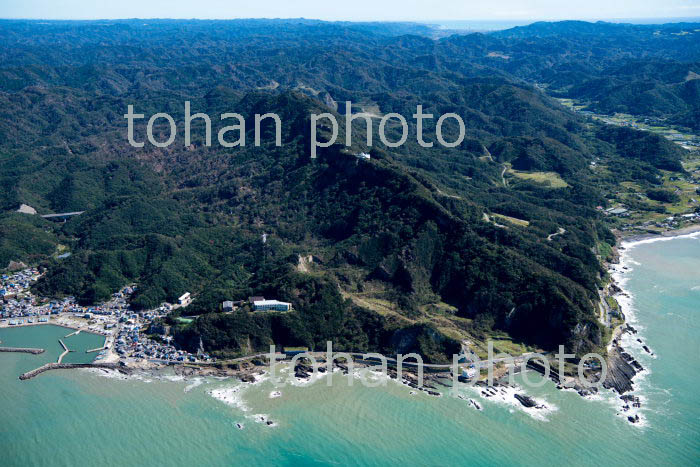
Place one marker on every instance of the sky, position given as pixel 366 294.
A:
pixel 353 10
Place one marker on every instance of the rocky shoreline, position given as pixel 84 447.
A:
pixel 622 366
pixel 251 372
pixel 622 369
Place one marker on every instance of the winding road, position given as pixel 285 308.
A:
pixel 559 232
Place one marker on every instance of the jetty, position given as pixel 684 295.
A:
pixel 65 366
pixel 97 349
pixel 22 350
pixel 65 351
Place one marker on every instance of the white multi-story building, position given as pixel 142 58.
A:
pixel 185 299
pixel 271 305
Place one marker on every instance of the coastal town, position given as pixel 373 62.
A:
pixel 124 329
pixel 134 338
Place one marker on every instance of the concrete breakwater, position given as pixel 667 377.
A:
pixel 22 350
pixel 65 366
pixel 98 349
pixel 65 351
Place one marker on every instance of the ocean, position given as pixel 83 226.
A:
pixel 89 417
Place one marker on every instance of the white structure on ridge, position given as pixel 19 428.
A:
pixel 271 305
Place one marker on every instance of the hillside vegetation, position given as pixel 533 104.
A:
pixel 450 243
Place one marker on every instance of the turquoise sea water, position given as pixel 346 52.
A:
pixel 86 418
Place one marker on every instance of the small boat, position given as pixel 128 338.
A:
pixel 239 426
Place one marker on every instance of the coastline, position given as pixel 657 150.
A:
pixel 477 396
pixel 624 239
pixel 623 346
pixel 627 343
pixel 254 368
pixel 72 327
pixel 50 323
pixel 623 368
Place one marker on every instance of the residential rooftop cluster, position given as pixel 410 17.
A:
pixel 132 343
pixel 671 222
pixel 130 335
pixel 114 319
pixel 14 285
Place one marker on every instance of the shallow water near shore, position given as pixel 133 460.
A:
pixel 85 418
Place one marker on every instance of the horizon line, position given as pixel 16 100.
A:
pixel 679 19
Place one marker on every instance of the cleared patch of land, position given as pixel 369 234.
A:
pixel 512 220
pixel 551 179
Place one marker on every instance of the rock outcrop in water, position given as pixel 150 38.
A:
pixel 540 368
pixel 303 369
pixel 526 401
pixel 620 371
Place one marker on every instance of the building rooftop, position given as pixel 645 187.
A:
pixel 269 302
pixel 618 210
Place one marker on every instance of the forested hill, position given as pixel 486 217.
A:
pixel 414 249
pixel 649 70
